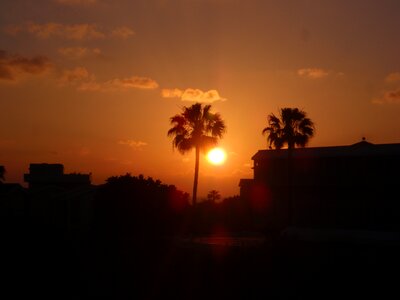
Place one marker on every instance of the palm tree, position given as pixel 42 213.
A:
pixel 196 127
pixel 213 196
pixel 291 128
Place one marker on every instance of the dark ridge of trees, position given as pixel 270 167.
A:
pixel 129 205
pixel 143 207
pixel 231 215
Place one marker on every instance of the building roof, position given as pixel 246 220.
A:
pixel 362 148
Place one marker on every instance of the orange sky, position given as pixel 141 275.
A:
pixel 92 83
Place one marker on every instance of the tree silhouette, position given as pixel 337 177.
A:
pixel 292 128
pixel 196 127
pixel 213 195
pixel 127 205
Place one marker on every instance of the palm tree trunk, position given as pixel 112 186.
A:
pixel 196 176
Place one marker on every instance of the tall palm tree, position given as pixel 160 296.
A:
pixel 292 128
pixel 196 127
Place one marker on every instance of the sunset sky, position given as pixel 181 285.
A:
pixel 92 83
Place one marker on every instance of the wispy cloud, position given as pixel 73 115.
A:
pixel 44 31
pixel 171 93
pixel 136 145
pixel 312 73
pixel 83 31
pixel 393 77
pixel 388 97
pixel 73 76
pixel 192 95
pixel 81 78
pixel 134 82
pixel 75 53
pixel 76 2
pixel 13 67
pixel 391 94
pixel 122 32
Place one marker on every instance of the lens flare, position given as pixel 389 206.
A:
pixel 216 156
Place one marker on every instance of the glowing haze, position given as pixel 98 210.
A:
pixel 92 83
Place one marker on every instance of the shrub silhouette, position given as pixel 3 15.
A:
pixel 127 205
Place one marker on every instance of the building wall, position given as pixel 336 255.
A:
pixel 333 191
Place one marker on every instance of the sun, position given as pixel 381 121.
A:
pixel 216 156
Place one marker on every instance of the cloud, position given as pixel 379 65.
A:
pixel 83 31
pixel 136 145
pixel 312 73
pixel 90 86
pixel 134 82
pixel 192 95
pixel 120 84
pixel 171 93
pixel 47 30
pixel 388 97
pixel 73 76
pixel 393 77
pixel 122 32
pixel 12 67
pixel 75 53
pixel 84 81
pixel 76 2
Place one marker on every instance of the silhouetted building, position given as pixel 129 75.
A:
pixel 353 186
pixel 60 200
pixel 41 175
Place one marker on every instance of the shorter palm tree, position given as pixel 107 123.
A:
pixel 292 128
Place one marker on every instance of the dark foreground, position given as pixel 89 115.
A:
pixel 143 268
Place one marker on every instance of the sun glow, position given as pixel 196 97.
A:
pixel 216 156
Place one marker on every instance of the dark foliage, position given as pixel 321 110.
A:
pixel 232 214
pixel 128 205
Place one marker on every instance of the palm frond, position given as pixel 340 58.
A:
pixel 292 127
pixel 196 125
pixel 182 143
